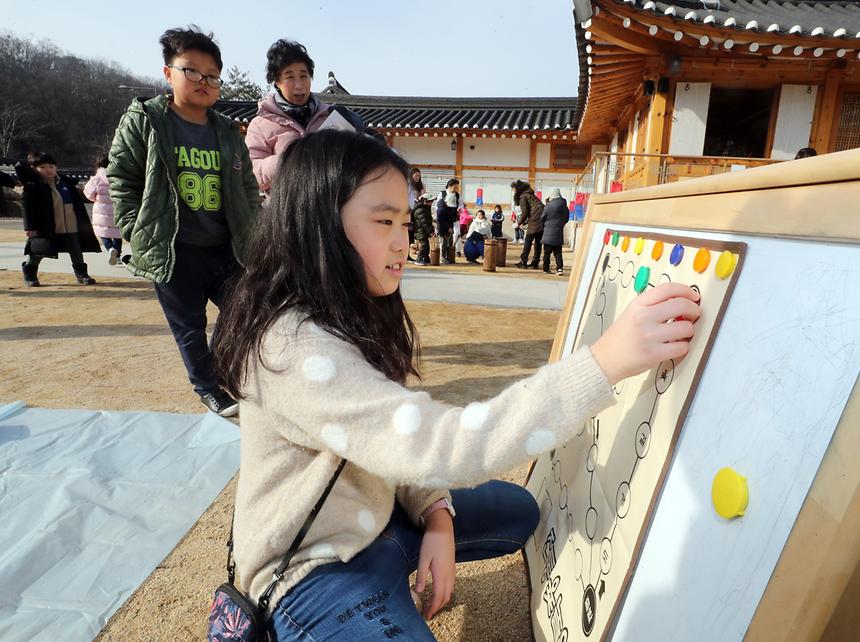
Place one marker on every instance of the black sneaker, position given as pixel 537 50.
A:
pixel 220 403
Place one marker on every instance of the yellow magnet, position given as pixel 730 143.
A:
pixel 726 265
pixel 625 243
pixel 657 251
pixel 729 493
pixel 640 245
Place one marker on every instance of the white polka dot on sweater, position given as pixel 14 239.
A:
pixel 474 416
pixel 540 441
pixel 407 419
pixel 323 550
pixel 334 436
pixel 318 368
pixel 366 520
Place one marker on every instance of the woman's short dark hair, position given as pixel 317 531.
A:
pixel 299 257
pixel 284 53
pixel 102 161
pixel 175 42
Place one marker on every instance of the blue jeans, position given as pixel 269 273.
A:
pixel 112 243
pixel 368 597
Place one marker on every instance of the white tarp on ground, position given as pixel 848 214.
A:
pixel 90 503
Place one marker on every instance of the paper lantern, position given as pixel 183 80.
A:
pixel 479 199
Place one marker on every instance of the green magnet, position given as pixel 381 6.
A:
pixel 642 278
pixel 615 237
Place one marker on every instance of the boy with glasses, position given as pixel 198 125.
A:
pixel 185 198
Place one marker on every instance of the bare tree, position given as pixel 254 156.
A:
pixel 15 123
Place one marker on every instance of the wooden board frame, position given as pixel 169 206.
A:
pixel 818 199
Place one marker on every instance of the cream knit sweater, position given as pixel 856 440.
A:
pixel 320 400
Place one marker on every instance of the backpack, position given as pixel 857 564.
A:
pixel 440 203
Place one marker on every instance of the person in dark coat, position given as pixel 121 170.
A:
pixel 55 220
pixel 446 214
pixel 555 216
pixel 531 210
pixel 422 218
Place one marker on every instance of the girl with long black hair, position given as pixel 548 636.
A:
pixel 317 344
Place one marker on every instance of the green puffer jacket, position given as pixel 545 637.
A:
pixel 142 175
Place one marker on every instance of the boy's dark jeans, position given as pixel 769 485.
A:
pixel 200 275
pixel 112 243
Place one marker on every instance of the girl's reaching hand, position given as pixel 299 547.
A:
pixel 437 557
pixel 642 336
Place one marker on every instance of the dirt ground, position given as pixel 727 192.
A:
pixel 108 346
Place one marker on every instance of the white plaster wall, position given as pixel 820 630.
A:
pixel 542 159
pixel 426 151
pixel 544 182
pixel 497 186
pixel 500 152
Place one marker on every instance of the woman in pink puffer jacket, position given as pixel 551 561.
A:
pixel 104 227
pixel 289 112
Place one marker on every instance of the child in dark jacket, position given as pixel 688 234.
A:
pixel 55 220
pixel 496 220
pixel 185 197
pixel 422 220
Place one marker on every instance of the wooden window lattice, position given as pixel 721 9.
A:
pixel 848 134
pixel 568 156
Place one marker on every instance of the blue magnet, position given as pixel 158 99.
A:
pixel 677 254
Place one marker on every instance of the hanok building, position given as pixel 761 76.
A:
pixel 670 90
pixel 484 142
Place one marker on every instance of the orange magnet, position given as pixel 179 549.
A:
pixel 625 243
pixel 639 246
pixel 726 265
pixel 657 250
pixel 702 260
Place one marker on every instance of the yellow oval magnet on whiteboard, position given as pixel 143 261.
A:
pixel 729 493
pixel 640 245
pixel 625 243
pixel 726 265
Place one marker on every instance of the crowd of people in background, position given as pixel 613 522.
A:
pixel 191 246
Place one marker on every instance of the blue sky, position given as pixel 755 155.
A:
pixel 431 48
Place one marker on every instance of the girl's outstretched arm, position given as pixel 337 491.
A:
pixel 322 394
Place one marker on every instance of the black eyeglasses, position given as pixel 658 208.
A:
pixel 195 76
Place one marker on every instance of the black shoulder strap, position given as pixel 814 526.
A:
pixel 300 536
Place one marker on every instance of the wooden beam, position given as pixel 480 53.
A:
pixel 718 33
pixel 458 163
pixel 605 59
pixel 533 160
pixel 825 117
pixel 622 37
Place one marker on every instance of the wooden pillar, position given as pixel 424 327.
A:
pixel 822 131
pixel 532 160
pixel 458 162
pixel 655 129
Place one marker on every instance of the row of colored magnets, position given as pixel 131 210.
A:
pixel 724 267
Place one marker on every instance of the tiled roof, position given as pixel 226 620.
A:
pixel 398 112
pixel 825 18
